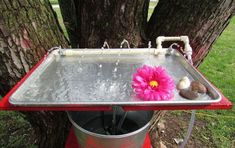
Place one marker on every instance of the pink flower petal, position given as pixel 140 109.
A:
pixel 139 78
pixel 145 74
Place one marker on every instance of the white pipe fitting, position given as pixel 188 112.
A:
pixel 187 48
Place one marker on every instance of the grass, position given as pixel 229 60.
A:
pixel 219 68
pixel 54 2
pixel 152 5
pixel 60 19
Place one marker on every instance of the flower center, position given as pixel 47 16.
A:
pixel 153 83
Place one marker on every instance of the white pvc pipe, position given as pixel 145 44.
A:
pixel 187 48
pixel 72 52
pixel 161 39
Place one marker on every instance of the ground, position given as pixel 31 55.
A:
pixel 15 131
pixel 176 125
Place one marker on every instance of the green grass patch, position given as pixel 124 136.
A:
pixel 152 5
pixel 54 2
pixel 219 68
pixel 60 19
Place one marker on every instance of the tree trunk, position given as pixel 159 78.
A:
pixel 69 14
pixel 103 20
pixel 203 21
pixel 27 30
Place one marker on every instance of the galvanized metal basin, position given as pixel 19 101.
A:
pixel 95 129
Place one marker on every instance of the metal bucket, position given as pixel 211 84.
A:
pixel 97 130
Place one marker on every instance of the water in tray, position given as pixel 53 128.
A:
pixel 89 79
pixel 85 79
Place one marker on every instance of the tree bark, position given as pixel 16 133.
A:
pixel 69 13
pixel 103 20
pixel 203 21
pixel 27 30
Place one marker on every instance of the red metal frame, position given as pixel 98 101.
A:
pixel 5 105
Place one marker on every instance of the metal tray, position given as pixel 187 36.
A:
pixel 103 77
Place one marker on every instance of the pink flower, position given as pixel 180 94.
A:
pixel 153 83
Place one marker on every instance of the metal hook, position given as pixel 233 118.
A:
pixel 170 49
pixel 123 42
pixel 61 51
pixel 174 44
pixel 187 53
pixel 105 45
pixel 54 48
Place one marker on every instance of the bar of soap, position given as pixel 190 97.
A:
pixel 188 94
pixel 198 87
pixel 184 83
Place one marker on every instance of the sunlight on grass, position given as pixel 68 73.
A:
pixel 152 5
pixel 219 68
pixel 54 2
pixel 60 19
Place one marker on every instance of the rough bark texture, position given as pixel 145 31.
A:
pixel 113 21
pixel 203 21
pixel 70 14
pixel 27 30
